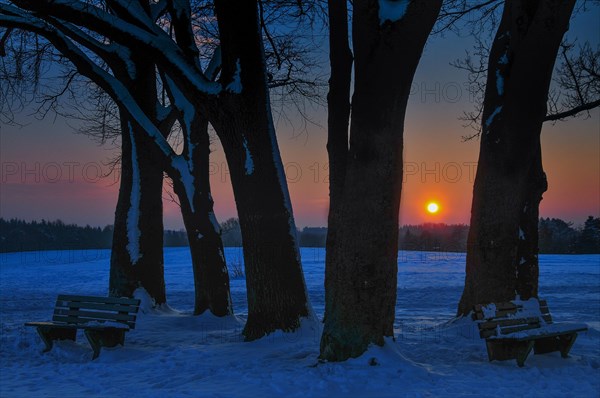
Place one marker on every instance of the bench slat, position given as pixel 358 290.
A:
pixel 94 315
pixel 544 333
pixel 82 321
pixel 92 299
pixel 520 328
pixel 507 322
pixel 510 329
pixel 97 306
pixel 73 326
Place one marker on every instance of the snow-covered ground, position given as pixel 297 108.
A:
pixel 173 354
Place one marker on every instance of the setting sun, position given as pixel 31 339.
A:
pixel 433 207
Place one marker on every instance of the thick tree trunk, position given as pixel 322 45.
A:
pixel 277 296
pixel 137 251
pixel 503 241
pixel 338 119
pixel 137 248
pixel 362 268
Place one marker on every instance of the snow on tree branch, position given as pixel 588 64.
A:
pixel 166 52
pixel 113 87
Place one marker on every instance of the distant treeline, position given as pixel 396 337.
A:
pixel 555 236
pixel 18 235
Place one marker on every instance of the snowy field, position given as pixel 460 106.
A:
pixel 174 354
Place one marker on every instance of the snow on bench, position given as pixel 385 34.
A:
pixel 514 328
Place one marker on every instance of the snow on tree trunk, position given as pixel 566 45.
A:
pixel 277 297
pixel 362 263
pixel 503 240
pixel 527 263
pixel 137 249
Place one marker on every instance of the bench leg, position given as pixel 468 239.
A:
pixel 503 350
pixel 523 352
pixel 566 342
pixel 51 333
pixel 491 350
pixel 104 338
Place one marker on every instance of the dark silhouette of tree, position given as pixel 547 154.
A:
pixel 502 253
pixel 366 176
pixel 556 236
pixel 589 240
pixel 237 106
pixel 313 237
pixel 231 233
pixel 19 235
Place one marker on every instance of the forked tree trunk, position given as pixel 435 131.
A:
pixel 362 267
pixel 211 278
pixel 502 259
pixel 277 297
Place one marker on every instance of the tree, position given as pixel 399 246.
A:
pixel 556 236
pixel 277 296
pixel 231 232
pixel 136 258
pixel 237 105
pixel 137 255
pixel 589 240
pixel 502 252
pixel 366 177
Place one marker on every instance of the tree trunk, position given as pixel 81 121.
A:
pixel 362 268
pixel 137 251
pixel 137 248
pixel 211 279
pixel 503 240
pixel 338 119
pixel 277 297
pixel 527 264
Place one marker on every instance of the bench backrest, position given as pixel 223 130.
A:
pixel 84 309
pixel 504 318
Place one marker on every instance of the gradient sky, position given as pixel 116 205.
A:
pixel 49 172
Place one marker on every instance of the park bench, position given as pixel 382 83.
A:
pixel 104 320
pixel 511 330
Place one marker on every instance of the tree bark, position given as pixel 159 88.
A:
pixel 338 119
pixel 137 250
pixel 277 297
pixel 362 268
pixel 211 279
pixel 502 245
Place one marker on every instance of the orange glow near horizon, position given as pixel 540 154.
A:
pixel 47 172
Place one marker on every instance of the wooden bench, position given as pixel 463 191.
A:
pixel 511 330
pixel 103 319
